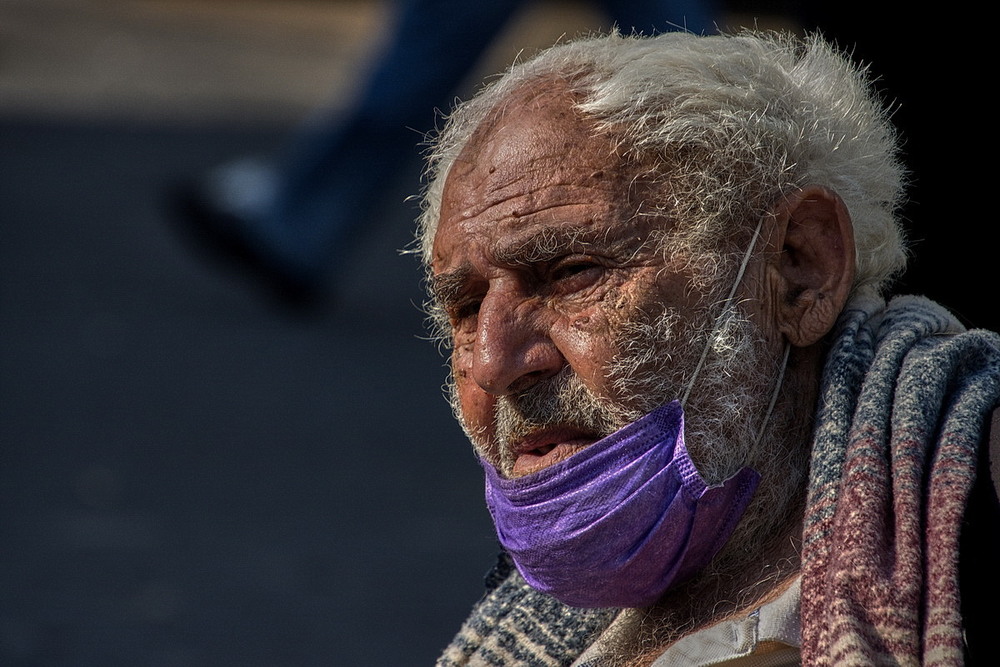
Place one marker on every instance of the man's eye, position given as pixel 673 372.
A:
pixel 575 270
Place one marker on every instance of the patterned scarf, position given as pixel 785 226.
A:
pixel 904 400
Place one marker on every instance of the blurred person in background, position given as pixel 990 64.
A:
pixel 289 222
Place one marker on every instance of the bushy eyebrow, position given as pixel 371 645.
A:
pixel 446 287
pixel 542 246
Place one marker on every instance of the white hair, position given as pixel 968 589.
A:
pixel 733 123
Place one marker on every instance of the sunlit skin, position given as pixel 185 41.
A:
pixel 537 259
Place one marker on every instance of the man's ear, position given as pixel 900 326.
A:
pixel 815 268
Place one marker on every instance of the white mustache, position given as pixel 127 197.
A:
pixel 562 400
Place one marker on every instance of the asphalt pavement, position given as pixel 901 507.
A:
pixel 190 475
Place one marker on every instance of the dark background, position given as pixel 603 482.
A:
pixel 192 476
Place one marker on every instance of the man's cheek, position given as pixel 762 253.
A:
pixel 585 342
pixel 477 409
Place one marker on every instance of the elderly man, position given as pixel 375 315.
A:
pixel 659 265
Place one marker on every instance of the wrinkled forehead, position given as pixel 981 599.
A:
pixel 540 115
pixel 535 142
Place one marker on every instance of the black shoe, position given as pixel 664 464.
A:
pixel 225 239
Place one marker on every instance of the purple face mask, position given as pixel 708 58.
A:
pixel 618 523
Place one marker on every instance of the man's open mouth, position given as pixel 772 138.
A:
pixel 548 447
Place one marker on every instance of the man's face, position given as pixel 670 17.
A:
pixel 545 269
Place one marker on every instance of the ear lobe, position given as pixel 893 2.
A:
pixel 816 264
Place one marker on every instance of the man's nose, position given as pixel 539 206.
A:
pixel 513 349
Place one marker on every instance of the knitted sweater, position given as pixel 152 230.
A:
pixel 905 397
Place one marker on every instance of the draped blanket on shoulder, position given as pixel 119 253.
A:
pixel 905 400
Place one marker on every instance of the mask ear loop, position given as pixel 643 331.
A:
pixel 715 329
pixel 718 320
pixel 774 395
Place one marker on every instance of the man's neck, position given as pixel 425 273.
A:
pixel 728 589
